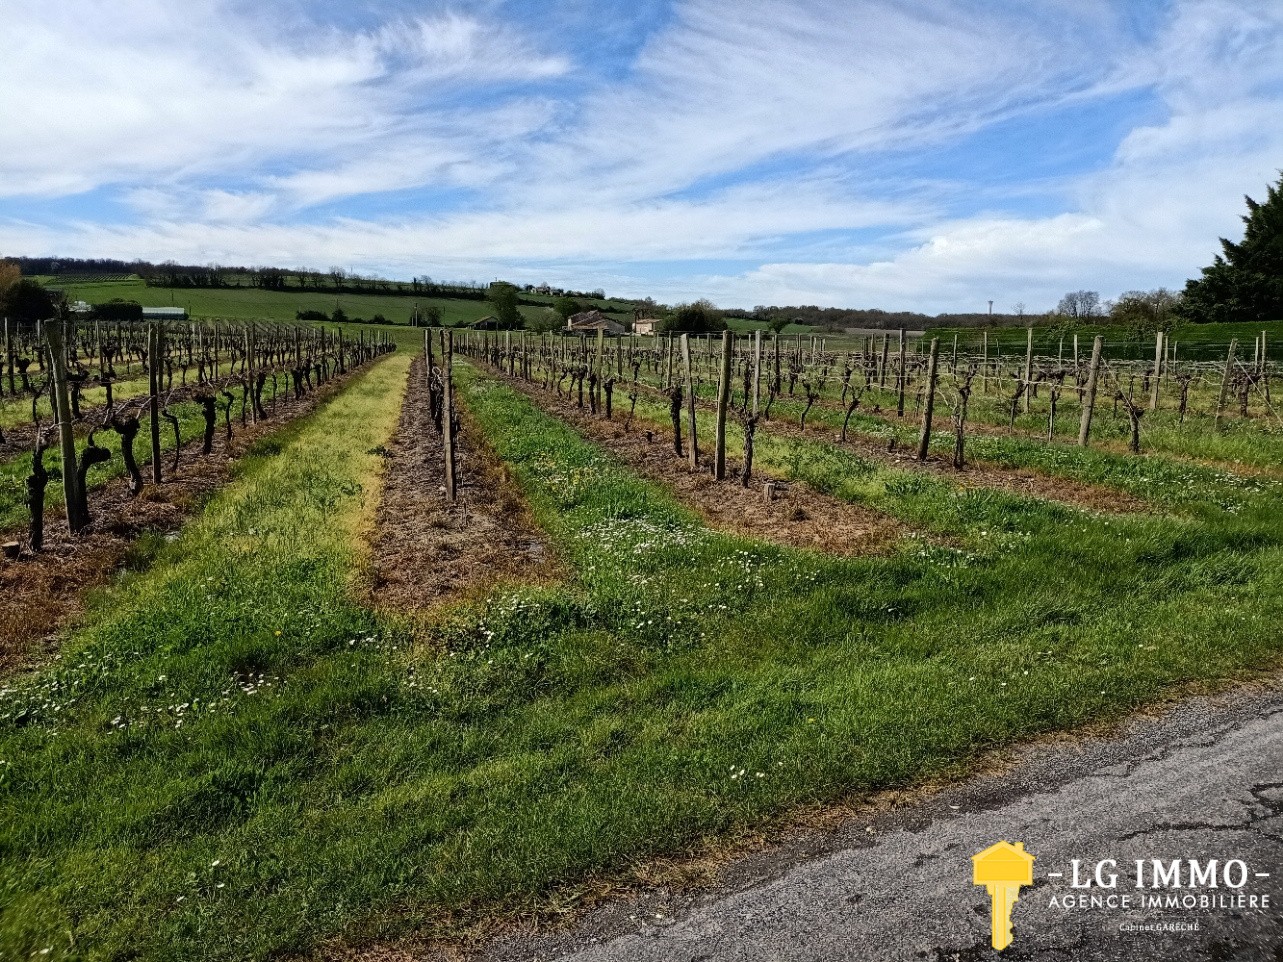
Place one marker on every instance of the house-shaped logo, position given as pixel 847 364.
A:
pixel 1003 868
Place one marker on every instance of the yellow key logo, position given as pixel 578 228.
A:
pixel 1002 869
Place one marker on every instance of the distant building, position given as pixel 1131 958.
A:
pixel 644 322
pixel 589 322
pixel 164 313
pixel 81 307
pixel 487 323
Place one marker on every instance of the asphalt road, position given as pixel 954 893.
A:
pixel 1202 781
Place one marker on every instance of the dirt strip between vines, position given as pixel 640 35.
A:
pixel 798 516
pixel 425 550
pixel 44 593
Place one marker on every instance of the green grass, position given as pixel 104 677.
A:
pixel 746 326
pixel 197 654
pixel 1167 476
pixel 233 760
pixel 1166 484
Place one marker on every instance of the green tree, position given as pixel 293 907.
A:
pixel 700 317
pixel 118 309
pixel 27 300
pixel 567 307
pixel 503 298
pixel 1245 282
pixel 429 316
pixel 547 321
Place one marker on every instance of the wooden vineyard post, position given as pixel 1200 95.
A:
pixel 1029 364
pixel 1158 371
pixel 249 370
pixel 66 435
pixel 154 386
pixel 9 355
pixel 723 400
pixel 899 380
pixel 598 369
pixel 886 347
pixel 984 364
pixel 1225 382
pixel 1089 402
pixel 690 401
pixel 924 441
pixel 757 369
pixel 447 411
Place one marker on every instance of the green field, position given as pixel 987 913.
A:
pixel 254 303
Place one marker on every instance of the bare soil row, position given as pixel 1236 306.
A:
pixel 427 551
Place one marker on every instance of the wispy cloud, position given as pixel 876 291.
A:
pixel 117 93
pixel 714 95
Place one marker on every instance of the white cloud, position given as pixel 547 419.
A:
pixel 728 224
pixel 127 92
pixel 714 94
pixel 1151 218
pixel 458 47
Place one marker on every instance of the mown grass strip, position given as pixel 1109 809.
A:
pixel 682 683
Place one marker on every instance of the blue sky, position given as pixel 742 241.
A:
pixel 904 154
